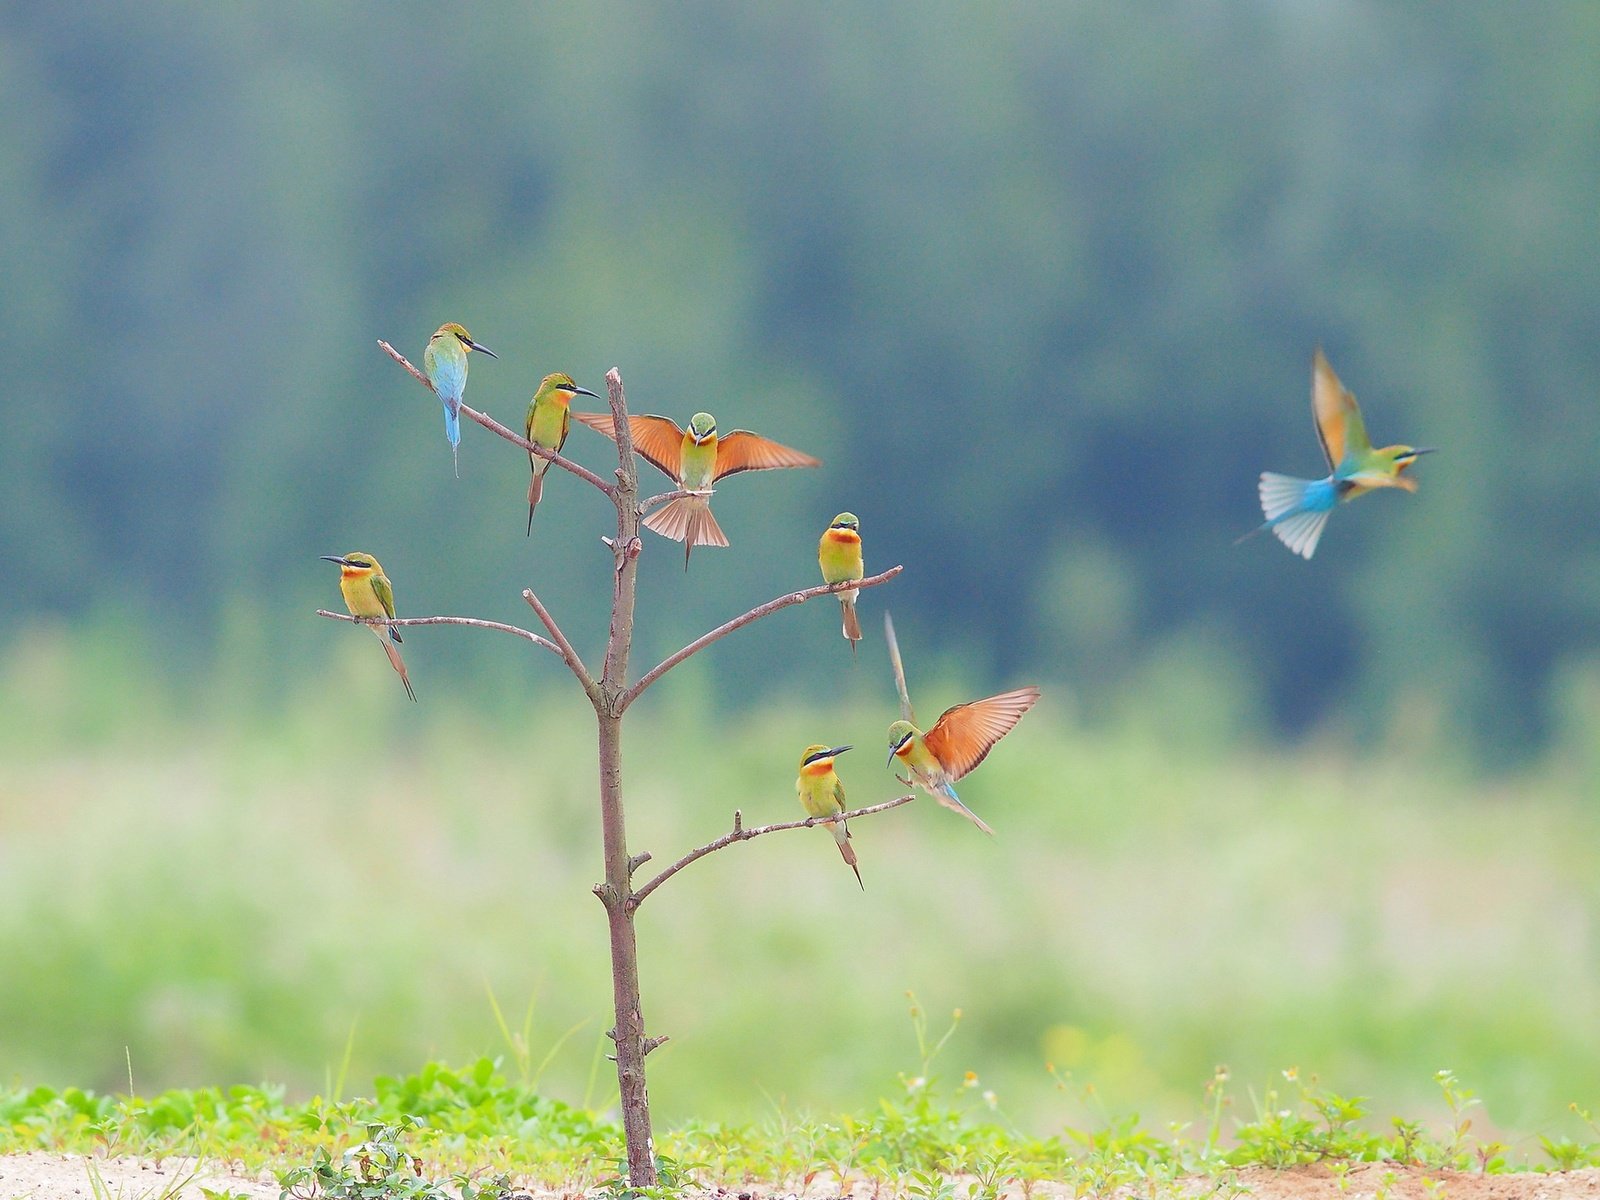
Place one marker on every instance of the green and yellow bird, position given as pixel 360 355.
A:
pixel 695 458
pixel 444 362
pixel 1296 510
pixel 956 743
pixel 368 593
pixel 839 556
pixel 549 418
pixel 822 795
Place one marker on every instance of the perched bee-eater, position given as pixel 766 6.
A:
pixel 839 556
pixel 444 362
pixel 368 593
pixel 960 739
pixel 1297 509
pixel 694 459
pixel 822 795
pixel 549 418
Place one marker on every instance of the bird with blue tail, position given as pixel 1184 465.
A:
pixel 444 362
pixel 1297 510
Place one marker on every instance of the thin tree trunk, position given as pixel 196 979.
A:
pixel 628 1033
pixel 617 891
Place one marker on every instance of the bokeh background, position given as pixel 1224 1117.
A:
pixel 1041 284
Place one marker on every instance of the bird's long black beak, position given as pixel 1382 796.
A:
pixel 890 759
pixel 578 391
pixel 333 558
pixel 838 750
pixel 482 349
pixel 1421 450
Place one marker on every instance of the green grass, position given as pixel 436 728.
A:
pixel 472 1132
pixel 341 886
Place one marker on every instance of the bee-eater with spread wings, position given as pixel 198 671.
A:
pixel 956 743
pixel 368 593
pixel 839 556
pixel 822 795
pixel 695 458
pixel 1296 510
pixel 549 418
pixel 444 362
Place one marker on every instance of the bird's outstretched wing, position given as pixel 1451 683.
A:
pixel 963 735
pixel 1338 418
pixel 899 669
pixel 742 450
pixel 657 440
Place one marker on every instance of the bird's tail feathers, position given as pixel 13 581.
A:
pixel 386 636
pixel 946 795
pixel 688 520
pixel 1301 531
pixel 852 624
pixel 535 486
pixel 1282 494
pixel 841 834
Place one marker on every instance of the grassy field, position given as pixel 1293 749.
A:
pixel 344 885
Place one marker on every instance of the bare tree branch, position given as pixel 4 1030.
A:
pixel 755 614
pixel 562 646
pixel 494 426
pixel 655 501
pixel 475 622
pixel 742 833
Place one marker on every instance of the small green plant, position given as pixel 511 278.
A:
pixel 380 1168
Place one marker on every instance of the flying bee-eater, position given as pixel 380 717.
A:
pixel 839 556
pixel 549 418
pixel 1296 510
pixel 958 741
pixel 368 593
pixel 822 795
pixel 695 458
pixel 444 362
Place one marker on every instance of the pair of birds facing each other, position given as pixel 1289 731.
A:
pixel 933 760
pixel 1297 510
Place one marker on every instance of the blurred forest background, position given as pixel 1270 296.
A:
pixel 1040 284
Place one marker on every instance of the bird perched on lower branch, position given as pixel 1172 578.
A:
pixel 368 593
pixel 822 795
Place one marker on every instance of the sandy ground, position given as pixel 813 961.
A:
pixel 38 1176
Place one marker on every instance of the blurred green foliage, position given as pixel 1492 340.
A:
pixel 341 884
pixel 1039 282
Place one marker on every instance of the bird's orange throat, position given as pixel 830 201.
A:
pixel 820 766
pixel 845 537
pixel 349 572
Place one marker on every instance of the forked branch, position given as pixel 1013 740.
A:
pixel 740 833
pixel 475 622
pixel 494 426
pixel 755 614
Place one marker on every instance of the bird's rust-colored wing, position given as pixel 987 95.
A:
pixel 966 733
pixel 899 668
pixel 742 450
pixel 1338 418
pixel 657 440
